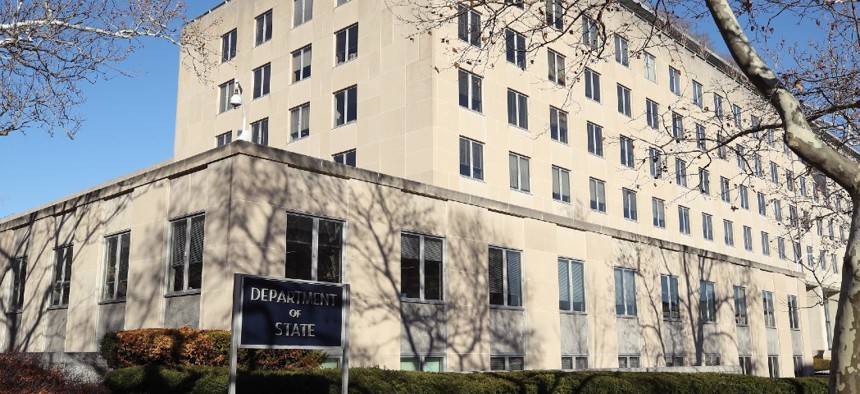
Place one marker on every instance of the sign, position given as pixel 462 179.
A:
pixel 279 313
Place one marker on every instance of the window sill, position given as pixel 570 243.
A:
pixel 421 301
pixel 350 60
pixel 343 125
pixel 507 307
pixel 565 143
pixel 575 313
pixel 742 325
pixel 472 178
pixel 260 97
pixel 15 312
pixel 526 192
pixel 561 201
pixel 628 317
pixel 474 111
pixel 262 43
pixel 518 127
pixel 182 293
pixel 672 320
pixel 58 307
pixel 110 302
pixel 300 138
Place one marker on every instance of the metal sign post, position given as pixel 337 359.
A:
pixel 278 313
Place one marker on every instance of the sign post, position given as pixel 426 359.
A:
pixel 278 313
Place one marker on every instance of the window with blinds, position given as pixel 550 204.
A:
pixel 421 267
pixel 671 304
pixel 471 158
pixel 116 267
pixel 741 318
pixel 625 292
pixel 186 253
pixel 793 318
pixel 314 248
pixel 505 277
pixel 707 302
pixel 571 285
pixel 519 172
pixel 62 276
pixel 769 317
pixel 507 363
pixel 518 109
pixel 560 184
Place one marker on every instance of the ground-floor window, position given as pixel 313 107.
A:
pixel 712 359
pixel 574 362
pixel 798 365
pixel 507 363
pixel 674 360
pixel 746 364
pixel 422 363
pixel 631 361
pixel 314 248
pixel 773 366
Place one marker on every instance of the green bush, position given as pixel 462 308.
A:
pixel 188 346
pixel 196 379
pixel 821 364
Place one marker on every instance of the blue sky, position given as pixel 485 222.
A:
pixel 129 125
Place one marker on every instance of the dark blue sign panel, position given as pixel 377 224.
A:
pixel 291 313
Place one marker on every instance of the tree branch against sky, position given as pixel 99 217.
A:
pixel 50 49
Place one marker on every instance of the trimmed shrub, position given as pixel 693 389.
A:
pixel 821 364
pixel 195 379
pixel 23 373
pixel 188 346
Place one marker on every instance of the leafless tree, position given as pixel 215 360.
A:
pixel 50 49
pixel 807 92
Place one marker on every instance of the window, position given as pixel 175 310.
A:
pixel 803 186
pixel 628 362
pixel 515 48
pixel 558 125
pixel 743 192
pixel 555 14
pixel 729 232
pixel 704 181
pixel 470 90
pixel 684 219
pixel 226 91
pixel 499 363
pixel 655 163
pixel 798 258
pixel 345 105
pixel 765 243
pixel 62 276
pixel 595 139
pixel 671 306
pixel 314 248
pixel 471 158
pixel 116 266
pixel 597 194
pixel 712 359
pixel 680 172
pixel 302 63
pixel 675 81
pixel 773 366
pixel 658 209
pixel 556 67
pixel 742 162
pixel 674 360
pixel 841 232
pixel 629 201
pixel 560 184
pixel 777 210
pixel 420 267
pixel 722 150
pixel 701 144
pixel 518 109
pixel 747 238
pixel 827 324
pixel 300 121
pixel 625 292
pixel 792 215
pixel 780 247
pixel 623 100
pixel 798 366
pixel 762 204
pixel 346 158
pixel 736 112
pixel 591 33
pixel 677 126
pixel 303 11
pixel 830 229
pixel 821 259
pixel 771 138
pixel 725 192
pixel 519 172
pixel 707 302
pixel 652 114
pixel 774 173
pixel 626 151
pixel 574 362
pixel 698 99
pixel 789 180
pixel 834 263
pixel 264 27
pixel 650 67
pixel 793 318
pixel 346 44
pixel 592 85
pixel 707 226
pixel 421 363
pixel 571 285
pixel 810 259
pixel 741 318
pixel 260 131
pixel 759 170
pixel 769 317
pixel 228 45
pixel 718 106
pixel 18 266
pixel 223 139
pixel 469 26
pixel 186 253
pixel 505 279
pixel 622 56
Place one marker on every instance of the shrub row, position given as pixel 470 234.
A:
pixel 821 364
pixel 24 373
pixel 188 346
pixel 195 379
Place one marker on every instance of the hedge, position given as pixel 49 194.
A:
pixel 188 346
pixel 25 373
pixel 821 364
pixel 196 379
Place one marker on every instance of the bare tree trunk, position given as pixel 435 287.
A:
pixel 845 354
pixel 802 139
